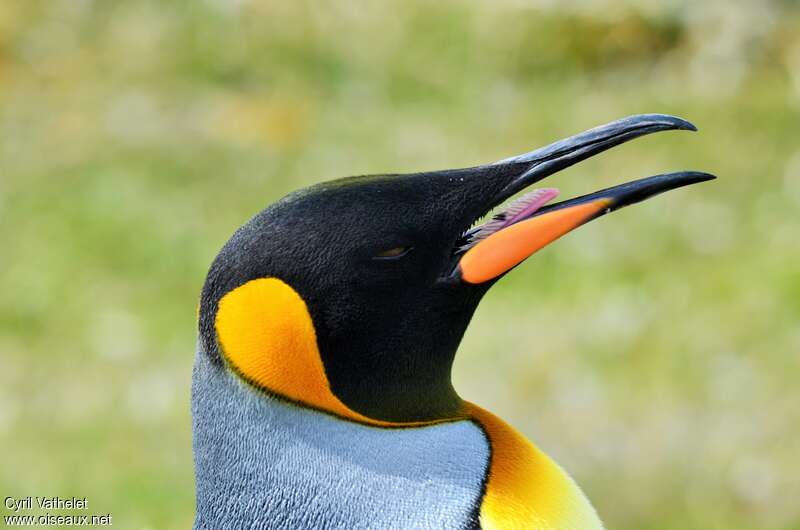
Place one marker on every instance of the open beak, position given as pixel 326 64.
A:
pixel 529 224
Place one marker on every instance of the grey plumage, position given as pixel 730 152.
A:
pixel 263 463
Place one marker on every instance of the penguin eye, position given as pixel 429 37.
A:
pixel 393 253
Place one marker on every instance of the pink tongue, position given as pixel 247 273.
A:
pixel 529 204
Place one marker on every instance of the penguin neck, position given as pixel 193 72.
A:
pixel 379 369
pixel 405 394
pixel 394 381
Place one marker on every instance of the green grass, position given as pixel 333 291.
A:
pixel 653 353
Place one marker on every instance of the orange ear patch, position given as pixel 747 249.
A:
pixel 266 333
pixel 525 489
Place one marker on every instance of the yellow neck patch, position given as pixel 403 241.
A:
pixel 525 489
pixel 266 333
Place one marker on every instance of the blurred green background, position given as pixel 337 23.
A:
pixel 654 353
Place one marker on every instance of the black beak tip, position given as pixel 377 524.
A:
pixel 639 190
pixel 693 177
pixel 668 121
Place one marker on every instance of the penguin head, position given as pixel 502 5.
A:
pixel 352 296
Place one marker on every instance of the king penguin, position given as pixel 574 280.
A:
pixel 328 326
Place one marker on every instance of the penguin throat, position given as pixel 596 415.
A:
pixel 407 376
pixel 398 393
